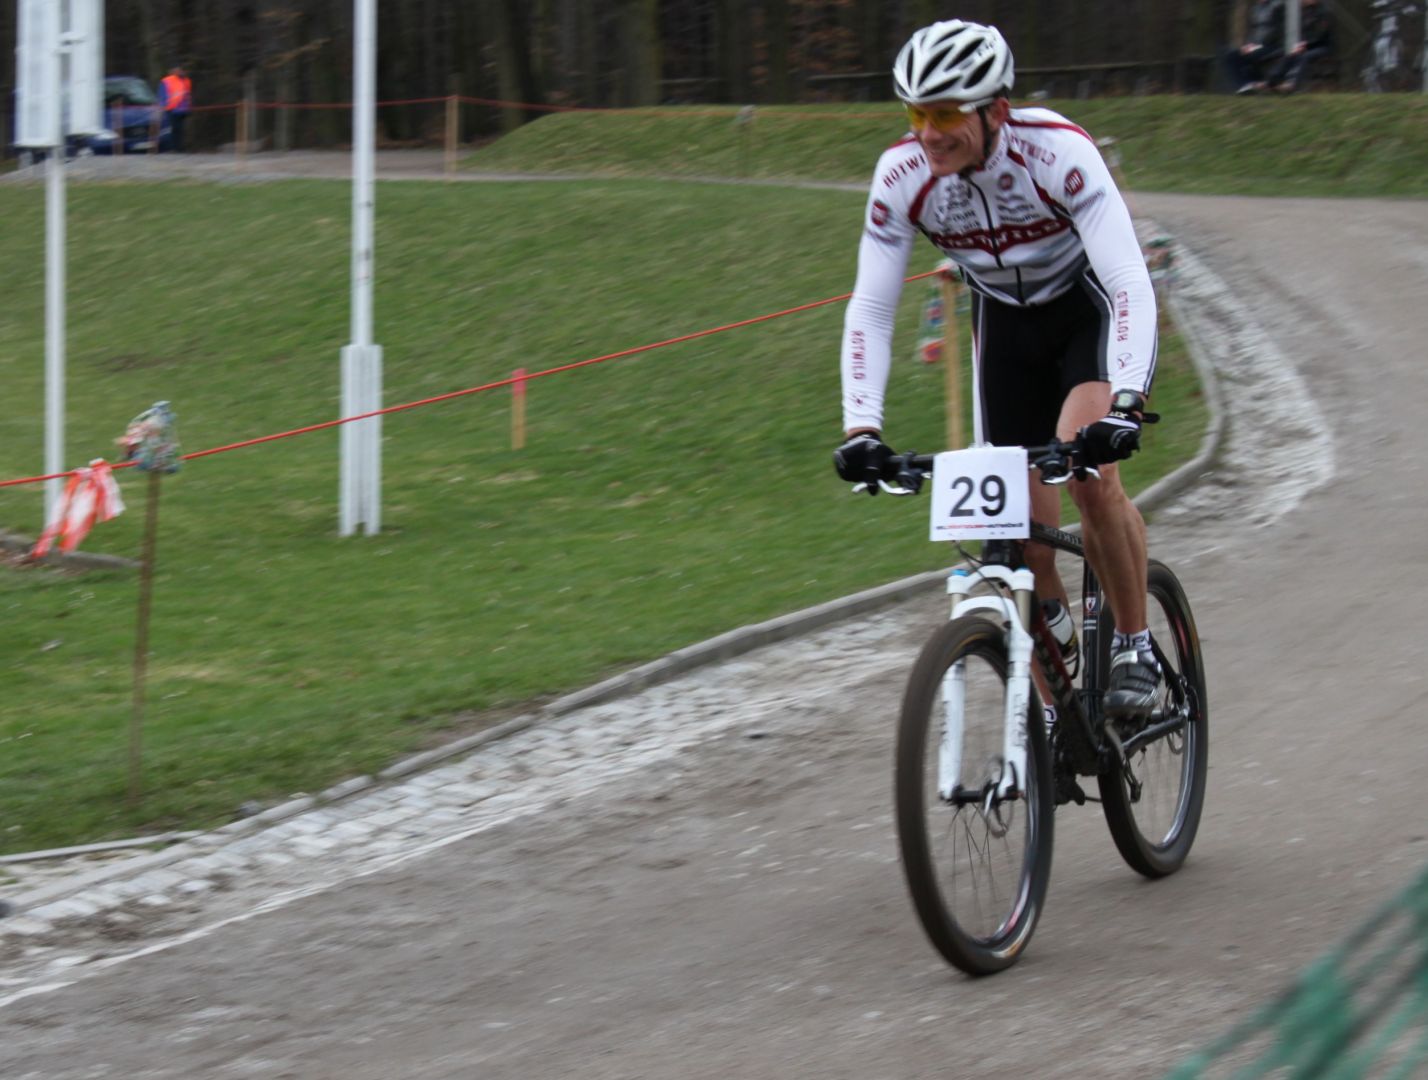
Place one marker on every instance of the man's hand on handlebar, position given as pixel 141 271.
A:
pixel 862 458
pixel 868 463
pixel 1116 436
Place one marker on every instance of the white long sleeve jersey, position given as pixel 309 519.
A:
pixel 1025 227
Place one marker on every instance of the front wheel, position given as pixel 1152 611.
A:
pixel 1153 799
pixel 977 864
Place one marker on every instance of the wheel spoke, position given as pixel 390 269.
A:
pixel 1154 798
pixel 971 874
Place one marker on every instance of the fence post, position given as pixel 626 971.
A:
pixel 518 409
pixel 951 358
pixel 744 123
pixel 250 95
pixel 141 640
pixel 453 122
pixel 282 135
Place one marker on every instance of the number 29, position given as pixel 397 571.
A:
pixel 993 492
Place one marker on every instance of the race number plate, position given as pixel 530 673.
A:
pixel 981 494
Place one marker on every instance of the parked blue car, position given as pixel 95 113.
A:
pixel 130 106
pixel 130 109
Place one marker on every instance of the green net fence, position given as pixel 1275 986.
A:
pixel 1359 1012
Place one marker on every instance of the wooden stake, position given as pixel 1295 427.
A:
pixel 951 359
pixel 518 409
pixel 141 638
pixel 453 122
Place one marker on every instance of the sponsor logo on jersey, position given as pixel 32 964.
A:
pixel 879 213
pixel 1032 150
pixel 903 168
pixel 1075 181
pixel 859 355
pixel 1014 207
pixel 1005 181
pixel 1088 201
pixel 1003 237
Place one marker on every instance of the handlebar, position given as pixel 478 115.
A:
pixel 1058 462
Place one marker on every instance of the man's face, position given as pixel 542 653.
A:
pixel 951 138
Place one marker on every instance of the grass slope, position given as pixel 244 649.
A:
pixel 1309 144
pixel 662 499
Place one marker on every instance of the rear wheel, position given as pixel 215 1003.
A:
pixel 977 864
pixel 1153 799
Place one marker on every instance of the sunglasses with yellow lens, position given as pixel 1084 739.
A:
pixel 945 118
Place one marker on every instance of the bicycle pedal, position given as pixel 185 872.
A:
pixel 1068 790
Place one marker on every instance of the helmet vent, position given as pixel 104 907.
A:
pixel 967 50
pixel 983 69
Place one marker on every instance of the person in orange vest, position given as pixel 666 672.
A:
pixel 176 96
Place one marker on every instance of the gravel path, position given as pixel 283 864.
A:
pixel 700 879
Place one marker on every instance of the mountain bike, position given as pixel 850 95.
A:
pixel 978 773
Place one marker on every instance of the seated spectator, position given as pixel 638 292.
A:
pixel 1316 38
pixel 1252 63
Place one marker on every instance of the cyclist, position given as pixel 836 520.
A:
pixel 1063 312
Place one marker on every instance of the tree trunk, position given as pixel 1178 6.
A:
pixel 640 49
pixel 589 53
pixel 780 88
pixel 867 27
pixel 732 30
pixel 1027 51
pixel 149 33
pixel 518 81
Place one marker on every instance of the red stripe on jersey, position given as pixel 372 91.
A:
pixel 914 214
pixel 1068 126
pixel 909 137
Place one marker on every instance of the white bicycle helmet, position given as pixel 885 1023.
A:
pixel 954 59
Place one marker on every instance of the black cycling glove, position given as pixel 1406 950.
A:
pixel 862 458
pixel 1116 436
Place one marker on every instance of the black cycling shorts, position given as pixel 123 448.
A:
pixel 1029 358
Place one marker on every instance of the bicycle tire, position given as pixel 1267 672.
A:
pixel 939 903
pixel 1151 849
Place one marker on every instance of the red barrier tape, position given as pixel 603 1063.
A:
pixel 729 112
pixel 475 389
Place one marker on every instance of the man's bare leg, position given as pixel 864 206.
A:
pixel 1111 526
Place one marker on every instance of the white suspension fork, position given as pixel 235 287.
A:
pixel 1001 609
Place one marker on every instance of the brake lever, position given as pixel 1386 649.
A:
pixel 891 489
pixel 1059 469
pixel 1077 472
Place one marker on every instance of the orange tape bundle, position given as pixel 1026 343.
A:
pixel 91 495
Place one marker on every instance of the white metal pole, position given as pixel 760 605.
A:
pixel 372 501
pixel 54 300
pixel 347 443
pixel 364 116
pixel 360 485
pixel 54 325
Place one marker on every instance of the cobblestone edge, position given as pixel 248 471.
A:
pixel 23 908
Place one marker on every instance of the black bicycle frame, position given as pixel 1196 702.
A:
pixel 1079 744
